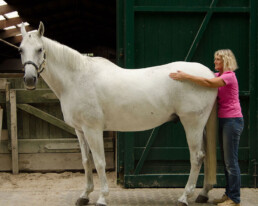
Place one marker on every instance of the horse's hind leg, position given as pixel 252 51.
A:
pixel 203 196
pixel 193 126
pixel 95 140
pixel 87 164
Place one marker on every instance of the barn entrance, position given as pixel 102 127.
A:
pixel 34 135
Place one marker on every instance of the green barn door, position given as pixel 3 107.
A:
pixel 156 32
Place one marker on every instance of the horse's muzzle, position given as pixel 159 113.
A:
pixel 30 82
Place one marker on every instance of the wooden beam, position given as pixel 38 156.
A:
pixel 13 32
pixel 35 96
pixel 10 22
pixel 3 84
pixel 24 96
pixel 51 162
pixel 6 9
pixel 46 117
pixel 1 122
pixel 7 101
pixel 62 145
pixel 15 39
pixel 14 141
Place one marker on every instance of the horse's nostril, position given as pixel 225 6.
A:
pixel 24 79
pixel 34 79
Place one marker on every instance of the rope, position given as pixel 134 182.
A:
pixel 8 43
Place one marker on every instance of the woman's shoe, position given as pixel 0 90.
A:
pixel 229 202
pixel 220 200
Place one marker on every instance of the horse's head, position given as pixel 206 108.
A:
pixel 32 55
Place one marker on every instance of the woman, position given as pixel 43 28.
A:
pixel 231 121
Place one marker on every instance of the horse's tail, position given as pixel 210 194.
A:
pixel 210 161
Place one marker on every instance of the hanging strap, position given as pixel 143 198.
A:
pixel 8 43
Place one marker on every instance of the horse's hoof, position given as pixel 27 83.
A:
pixel 82 201
pixel 201 199
pixel 181 204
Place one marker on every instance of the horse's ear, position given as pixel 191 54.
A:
pixel 23 30
pixel 41 29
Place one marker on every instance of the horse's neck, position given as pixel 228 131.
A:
pixel 58 73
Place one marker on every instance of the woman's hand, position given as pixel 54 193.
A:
pixel 178 76
pixel 212 83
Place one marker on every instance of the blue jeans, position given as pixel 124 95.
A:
pixel 230 130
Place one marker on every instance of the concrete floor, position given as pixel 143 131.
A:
pixel 64 189
pixel 117 197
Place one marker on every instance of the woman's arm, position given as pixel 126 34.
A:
pixel 213 83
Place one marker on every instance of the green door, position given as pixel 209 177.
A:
pixel 155 32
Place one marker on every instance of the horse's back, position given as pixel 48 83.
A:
pixel 192 68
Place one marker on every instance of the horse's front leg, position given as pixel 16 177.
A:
pixel 95 140
pixel 87 164
pixel 194 134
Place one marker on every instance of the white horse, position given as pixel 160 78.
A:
pixel 96 96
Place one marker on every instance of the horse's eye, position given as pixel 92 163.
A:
pixel 40 50
pixel 20 50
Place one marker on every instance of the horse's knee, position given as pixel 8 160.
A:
pixel 100 165
pixel 197 158
pixel 200 156
pixel 86 163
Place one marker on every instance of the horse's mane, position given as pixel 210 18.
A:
pixel 72 58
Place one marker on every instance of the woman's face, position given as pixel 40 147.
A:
pixel 218 61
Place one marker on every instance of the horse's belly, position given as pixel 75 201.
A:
pixel 131 125
pixel 135 120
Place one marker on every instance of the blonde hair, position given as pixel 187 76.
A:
pixel 229 60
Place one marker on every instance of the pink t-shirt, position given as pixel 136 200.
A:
pixel 228 96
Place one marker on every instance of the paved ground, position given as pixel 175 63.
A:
pixel 117 197
pixel 63 190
